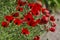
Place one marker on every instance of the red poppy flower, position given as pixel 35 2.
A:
pixel 34 5
pixel 15 14
pixel 25 31
pixel 21 9
pixel 17 7
pixel 44 20
pixel 5 24
pixel 52 29
pixel 53 25
pixel 38 6
pixel 38 20
pixel 20 2
pixel 32 23
pixel 52 18
pixel 36 38
pixel 31 5
pixel 35 12
pixel 45 12
pixel 29 17
pixel 9 18
pixel 17 21
pixel 35 9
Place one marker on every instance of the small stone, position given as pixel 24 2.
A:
pixel 57 19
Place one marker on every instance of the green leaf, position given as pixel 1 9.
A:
pixel 58 1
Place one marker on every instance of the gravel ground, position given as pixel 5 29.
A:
pixel 54 35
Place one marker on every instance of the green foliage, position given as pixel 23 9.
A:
pixel 51 5
pixel 58 1
pixel 31 0
pixel 7 6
